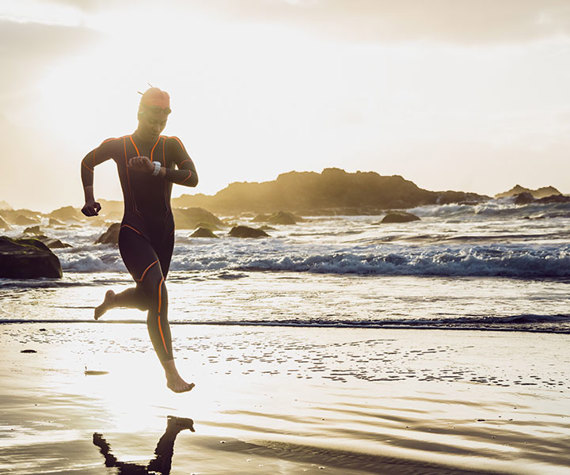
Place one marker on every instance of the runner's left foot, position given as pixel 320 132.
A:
pixel 108 302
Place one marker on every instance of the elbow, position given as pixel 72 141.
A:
pixel 193 180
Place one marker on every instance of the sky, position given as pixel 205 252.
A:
pixel 467 95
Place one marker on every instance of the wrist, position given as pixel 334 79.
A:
pixel 156 168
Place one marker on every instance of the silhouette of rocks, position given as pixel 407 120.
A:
pixel 20 217
pixel 554 199
pixel 399 217
pixel 333 191
pixel 27 259
pixel 55 222
pixel 21 220
pixel 247 232
pixel 538 193
pixel 33 230
pixel 67 214
pixel 281 217
pixel 52 243
pixel 191 218
pixel 203 233
pixel 524 198
pixel 111 236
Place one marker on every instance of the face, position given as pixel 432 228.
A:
pixel 152 121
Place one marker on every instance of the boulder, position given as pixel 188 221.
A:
pixel 281 217
pixel 524 198
pixel 247 232
pixel 111 236
pixel 33 230
pixel 190 218
pixel 203 233
pixel 27 259
pixel 52 243
pixel 67 213
pixel 54 222
pixel 399 217
pixel 554 199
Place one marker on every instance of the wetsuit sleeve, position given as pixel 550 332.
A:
pixel 185 174
pixel 94 158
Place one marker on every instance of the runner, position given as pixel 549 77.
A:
pixel 148 164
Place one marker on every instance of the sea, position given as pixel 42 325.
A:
pixel 488 266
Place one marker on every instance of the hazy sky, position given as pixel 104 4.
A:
pixel 451 94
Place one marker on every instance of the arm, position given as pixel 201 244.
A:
pixel 89 162
pixel 186 173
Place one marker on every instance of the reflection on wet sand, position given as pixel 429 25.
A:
pixel 163 452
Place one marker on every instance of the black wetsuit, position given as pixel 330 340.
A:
pixel 146 238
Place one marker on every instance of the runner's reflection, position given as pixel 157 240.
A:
pixel 164 450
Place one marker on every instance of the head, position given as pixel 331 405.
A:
pixel 153 112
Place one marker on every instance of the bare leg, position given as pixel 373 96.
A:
pixel 129 298
pixel 174 381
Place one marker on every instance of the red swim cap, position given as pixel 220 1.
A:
pixel 156 97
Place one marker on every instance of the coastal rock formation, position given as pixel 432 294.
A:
pixel 538 193
pixel 54 222
pixel 333 191
pixel 67 214
pixel 524 198
pixel 247 232
pixel 399 217
pixel 190 218
pixel 111 236
pixel 203 233
pixel 33 230
pixel 281 217
pixel 20 217
pixel 27 259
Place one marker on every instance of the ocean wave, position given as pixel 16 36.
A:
pixel 497 208
pixel 462 262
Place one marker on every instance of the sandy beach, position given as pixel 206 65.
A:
pixel 284 400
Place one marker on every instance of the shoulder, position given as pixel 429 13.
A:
pixel 173 141
pixel 113 141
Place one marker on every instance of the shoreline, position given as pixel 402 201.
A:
pixel 287 400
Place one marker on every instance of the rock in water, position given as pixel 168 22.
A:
pixel 203 233
pixel 33 230
pixel 524 198
pixel 111 236
pixel 190 218
pixel 27 259
pixel 247 232
pixel 399 217
pixel 283 217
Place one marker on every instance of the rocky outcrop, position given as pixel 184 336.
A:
pixel 203 233
pixel 281 217
pixel 333 191
pixel 247 232
pixel 191 218
pixel 538 193
pixel 27 259
pixel 399 217
pixel 67 214
pixel 524 198
pixel 111 236
pixel 33 230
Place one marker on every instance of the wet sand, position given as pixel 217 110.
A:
pixel 284 400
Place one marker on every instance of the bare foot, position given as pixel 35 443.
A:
pixel 108 302
pixel 178 385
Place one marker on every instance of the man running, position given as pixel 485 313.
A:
pixel 148 164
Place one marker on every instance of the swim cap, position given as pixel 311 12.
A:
pixel 155 97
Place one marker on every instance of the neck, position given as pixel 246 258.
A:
pixel 142 137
